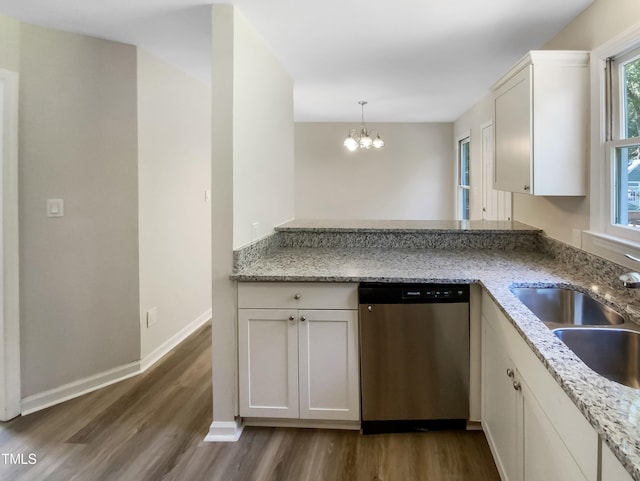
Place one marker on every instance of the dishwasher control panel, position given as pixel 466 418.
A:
pixel 433 293
pixel 399 293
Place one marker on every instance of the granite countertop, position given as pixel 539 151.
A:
pixel 611 408
pixel 405 226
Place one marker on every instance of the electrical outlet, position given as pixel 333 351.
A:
pixel 152 316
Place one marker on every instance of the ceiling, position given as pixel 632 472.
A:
pixel 413 60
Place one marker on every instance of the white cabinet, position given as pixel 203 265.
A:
pixel 545 455
pixel 500 403
pixel 300 361
pixel 534 430
pixel 612 469
pixel 541 125
pixel 268 363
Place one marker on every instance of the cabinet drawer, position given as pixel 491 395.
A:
pixel 297 295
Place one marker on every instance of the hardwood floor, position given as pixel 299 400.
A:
pixel 151 428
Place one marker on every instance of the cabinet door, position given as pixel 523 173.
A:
pixel 612 469
pixel 268 363
pixel 513 123
pixel 545 455
pixel 500 405
pixel 329 385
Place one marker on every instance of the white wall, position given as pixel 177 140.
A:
pixel 559 216
pixel 174 170
pixel 252 178
pixel 79 273
pixel 9 43
pixel 262 137
pixel 412 177
pixel 603 20
pixel 597 24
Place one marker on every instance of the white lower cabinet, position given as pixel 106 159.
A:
pixel 534 431
pixel 612 469
pixel 501 404
pixel 298 363
pixel 545 456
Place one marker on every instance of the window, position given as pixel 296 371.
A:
pixel 463 179
pixel 623 143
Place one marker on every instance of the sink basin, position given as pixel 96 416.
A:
pixel 612 353
pixel 566 306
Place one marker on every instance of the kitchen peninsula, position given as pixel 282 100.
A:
pixel 493 255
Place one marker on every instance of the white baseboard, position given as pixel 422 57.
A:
pixel 74 389
pixel 225 432
pixel 164 348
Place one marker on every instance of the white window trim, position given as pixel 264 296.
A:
pixel 465 136
pixel 603 239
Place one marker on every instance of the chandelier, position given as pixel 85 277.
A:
pixel 362 138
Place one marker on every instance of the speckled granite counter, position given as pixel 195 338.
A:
pixel 323 226
pixel 612 409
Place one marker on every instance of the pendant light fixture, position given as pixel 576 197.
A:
pixel 362 138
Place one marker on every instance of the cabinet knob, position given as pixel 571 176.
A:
pixel 292 317
pixel 302 318
pixel 516 385
pixel 510 372
pixel 296 297
pixel 526 187
pixel 370 308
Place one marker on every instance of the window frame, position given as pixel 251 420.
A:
pixel 615 138
pixel 462 207
pixel 604 238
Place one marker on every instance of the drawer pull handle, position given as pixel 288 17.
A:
pixel 296 297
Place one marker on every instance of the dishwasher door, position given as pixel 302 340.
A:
pixel 414 361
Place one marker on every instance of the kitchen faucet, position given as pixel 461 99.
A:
pixel 631 279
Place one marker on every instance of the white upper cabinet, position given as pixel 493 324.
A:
pixel 541 125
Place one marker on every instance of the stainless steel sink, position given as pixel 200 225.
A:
pixel 612 353
pixel 566 307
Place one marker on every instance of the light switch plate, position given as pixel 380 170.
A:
pixel 55 207
pixel 152 316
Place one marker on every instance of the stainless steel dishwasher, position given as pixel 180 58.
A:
pixel 414 356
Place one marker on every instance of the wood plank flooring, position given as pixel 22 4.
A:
pixel 151 428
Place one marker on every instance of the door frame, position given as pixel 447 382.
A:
pixel 10 387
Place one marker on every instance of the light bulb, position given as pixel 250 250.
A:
pixel 350 143
pixel 378 143
pixel 365 140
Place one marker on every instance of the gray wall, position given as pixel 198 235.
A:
pixel 412 177
pixel 78 141
pixel 174 170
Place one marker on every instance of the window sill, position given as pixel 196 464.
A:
pixel 611 248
